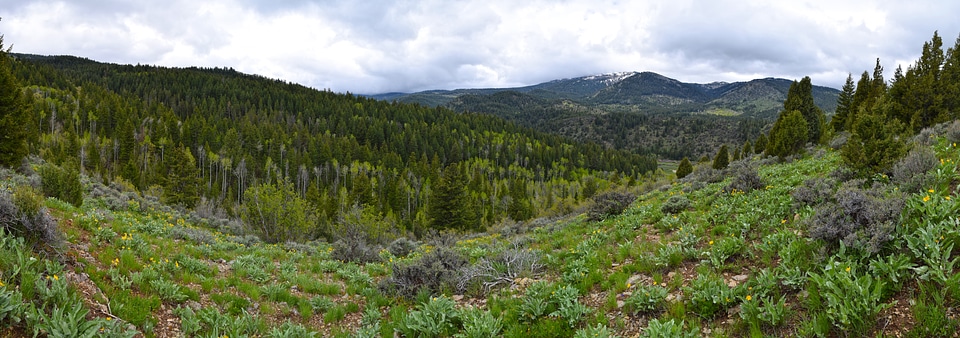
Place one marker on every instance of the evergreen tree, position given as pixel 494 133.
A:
pixel 950 81
pixel 736 154
pixel 449 201
pixel 747 150
pixel 800 98
pixel 722 159
pixel 761 144
pixel 520 208
pixel 182 181
pixel 684 169
pixel 844 105
pixel 14 118
pixel 874 145
pixel 788 135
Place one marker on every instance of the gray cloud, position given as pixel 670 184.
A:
pixel 379 46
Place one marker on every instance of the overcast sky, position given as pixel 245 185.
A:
pixel 369 46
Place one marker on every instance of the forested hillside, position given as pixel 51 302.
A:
pixel 211 137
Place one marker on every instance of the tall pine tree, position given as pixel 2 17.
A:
pixel 844 105
pixel 13 116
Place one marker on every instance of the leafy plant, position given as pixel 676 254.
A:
pixel 479 324
pixel 599 331
pixel 68 321
pixel 851 300
pixel 435 318
pixel 168 290
pixel 645 299
pixel 669 329
pixel 609 204
pixel 708 294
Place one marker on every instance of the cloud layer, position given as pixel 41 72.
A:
pixel 383 46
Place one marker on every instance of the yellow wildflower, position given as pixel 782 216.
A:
pixel 926 198
pixel 711 243
pixel 749 298
pixel 946 198
pixel 848 269
pixel 931 191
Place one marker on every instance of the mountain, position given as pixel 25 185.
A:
pixel 646 92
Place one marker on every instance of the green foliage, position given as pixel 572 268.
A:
pixel 722 159
pixel 684 168
pixel 62 183
pixel 707 295
pixel 182 181
pixel 761 144
pixel 844 105
pixel 435 318
pixel 67 322
pixel 930 312
pixel 449 203
pixel 874 145
pixel 645 299
pixel 789 134
pixel 800 98
pixel 669 329
pixel 15 122
pixel 276 213
pixel 479 324
pixel 851 300
pixel 599 331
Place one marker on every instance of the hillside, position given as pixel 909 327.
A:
pixel 644 111
pixel 336 152
pixel 754 249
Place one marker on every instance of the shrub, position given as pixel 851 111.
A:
pixel 912 171
pixel 708 294
pixel 705 174
pixel 436 318
pixel 402 247
pixel 814 192
pixel 479 324
pixel 860 218
pixel 684 168
pixel 610 204
pixel 503 269
pixel 433 272
pixel 354 248
pixel 62 183
pixel 24 215
pixel 675 204
pixel 745 177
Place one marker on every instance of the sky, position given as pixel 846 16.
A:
pixel 371 46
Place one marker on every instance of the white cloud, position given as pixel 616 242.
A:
pixel 378 46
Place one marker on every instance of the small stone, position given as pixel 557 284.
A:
pixel 671 274
pixel 732 284
pixel 193 305
pixel 457 298
pixel 740 278
pixel 619 304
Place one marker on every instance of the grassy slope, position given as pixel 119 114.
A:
pixel 710 261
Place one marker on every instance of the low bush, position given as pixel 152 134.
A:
pixel 23 214
pixel 675 204
pixel 401 247
pixel 355 249
pixel 435 271
pixel 609 204
pixel 503 269
pixel 912 172
pixel 860 218
pixel 814 192
pixel 745 177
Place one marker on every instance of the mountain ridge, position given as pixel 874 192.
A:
pixel 648 91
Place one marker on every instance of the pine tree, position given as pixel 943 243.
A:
pixel 722 159
pixel 761 144
pixel 800 98
pixel 449 202
pixel 684 169
pixel 747 150
pixel 874 145
pixel 14 136
pixel 182 181
pixel 788 135
pixel 844 105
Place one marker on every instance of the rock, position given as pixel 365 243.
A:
pixel 671 274
pixel 620 304
pixel 635 279
pixel 732 283
pixel 457 298
pixel 733 311
pixel 740 278
pixel 193 305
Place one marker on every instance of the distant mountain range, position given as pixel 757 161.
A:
pixel 646 92
pixel 641 111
